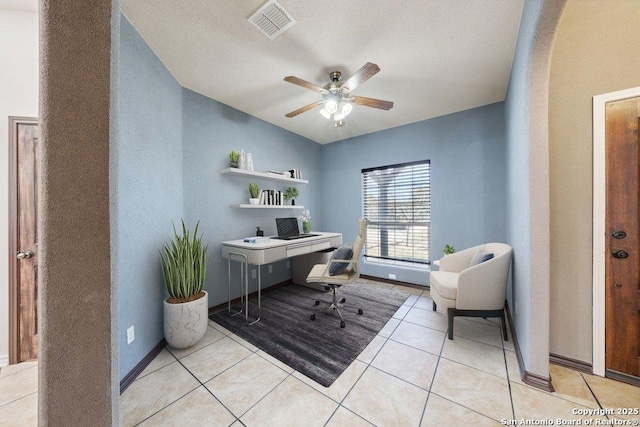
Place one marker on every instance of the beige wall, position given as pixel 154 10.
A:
pixel 18 97
pixel 595 52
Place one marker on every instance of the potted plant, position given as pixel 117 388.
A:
pixel 306 221
pixel 254 191
pixel 234 156
pixel 184 267
pixel 290 194
pixel 448 249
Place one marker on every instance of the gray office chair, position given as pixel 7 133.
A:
pixel 342 269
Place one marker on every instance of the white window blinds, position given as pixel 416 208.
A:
pixel 397 205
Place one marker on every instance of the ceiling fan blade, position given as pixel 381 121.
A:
pixel 372 102
pixel 303 109
pixel 362 75
pixel 305 84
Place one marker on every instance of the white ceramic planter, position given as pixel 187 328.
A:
pixel 186 323
pixel 253 201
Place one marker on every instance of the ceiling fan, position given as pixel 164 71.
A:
pixel 336 95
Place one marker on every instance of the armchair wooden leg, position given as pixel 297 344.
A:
pixel 504 326
pixel 451 312
pixel 434 306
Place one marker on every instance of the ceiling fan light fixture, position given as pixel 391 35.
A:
pixel 338 123
pixel 346 108
pixel 338 116
pixel 325 114
pixel 331 106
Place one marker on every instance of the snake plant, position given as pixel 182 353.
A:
pixel 184 264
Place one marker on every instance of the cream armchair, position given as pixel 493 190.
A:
pixel 476 291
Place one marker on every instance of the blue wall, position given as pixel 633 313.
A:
pixel 466 150
pixel 146 183
pixel 518 216
pixel 210 130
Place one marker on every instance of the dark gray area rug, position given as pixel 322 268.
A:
pixel 319 349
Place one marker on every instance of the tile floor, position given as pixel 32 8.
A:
pixel 410 375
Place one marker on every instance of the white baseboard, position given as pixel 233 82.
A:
pixel 4 360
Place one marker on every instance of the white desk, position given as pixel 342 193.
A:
pixel 266 252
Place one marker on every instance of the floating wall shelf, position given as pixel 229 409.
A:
pixel 248 206
pixel 262 175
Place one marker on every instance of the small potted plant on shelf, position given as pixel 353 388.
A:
pixel 448 249
pixel 290 194
pixel 184 267
pixel 234 156
pixel 254 191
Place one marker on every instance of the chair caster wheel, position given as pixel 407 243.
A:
pixel 312 317
pixel 342 323
pixel 342 300
pixel 360 311
pixel 317 302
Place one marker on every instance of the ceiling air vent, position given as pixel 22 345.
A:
pixel 272 20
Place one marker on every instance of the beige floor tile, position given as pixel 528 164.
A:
pixel 244 384
pixel 424 302
pixel 402 311
pixel 479 391
pixel 529 402
pixel 419 337
pixel 162 359
pixel 148 395
pixel 215 358
pixel 412 299
pixel 198 408
pixel 341 386
pixel 219 328
pixel 288 369
pixel 429 318
pixel 570 385
pixel 18 385
pixel 407 363
pixel 12 369
pixel 512 368
pixel 210 336
pixel 412 291
pixel 614 394
pixel 486 333
pixel 391 326
pixel 292 403
pixel 20 413
pixel 344 417
pixel 244 343
pixel 478 355
pixel 385 400
pixel 372 349
pixel 443 412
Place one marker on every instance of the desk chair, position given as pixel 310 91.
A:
pixel 342 269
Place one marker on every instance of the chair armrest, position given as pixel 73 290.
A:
pixel 484 286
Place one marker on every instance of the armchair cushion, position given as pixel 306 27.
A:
pixel 480 256
pixel 446 283
pixel 343 252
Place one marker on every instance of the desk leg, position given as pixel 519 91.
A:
pixel 231 312
pixel 259 286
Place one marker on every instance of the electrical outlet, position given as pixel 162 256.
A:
pixel 270 269
pixel 130 335
pixel 253 273
pixel 392 276
pixel 288 264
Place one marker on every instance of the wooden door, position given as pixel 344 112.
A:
pixel 23 245
pixel 622 283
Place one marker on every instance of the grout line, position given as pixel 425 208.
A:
pixel 592 393
pixel 506 367
pixel 19 398
pixel 433 379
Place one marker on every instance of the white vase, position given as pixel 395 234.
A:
pixel 185 323
pixel 253 201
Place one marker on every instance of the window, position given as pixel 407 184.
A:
pixel 397 205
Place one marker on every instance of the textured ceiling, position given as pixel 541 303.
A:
pixel 436 56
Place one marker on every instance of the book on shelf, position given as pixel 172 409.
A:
pixel 270 198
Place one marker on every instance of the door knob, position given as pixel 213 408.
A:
pixel 24 255
pixel 619 253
